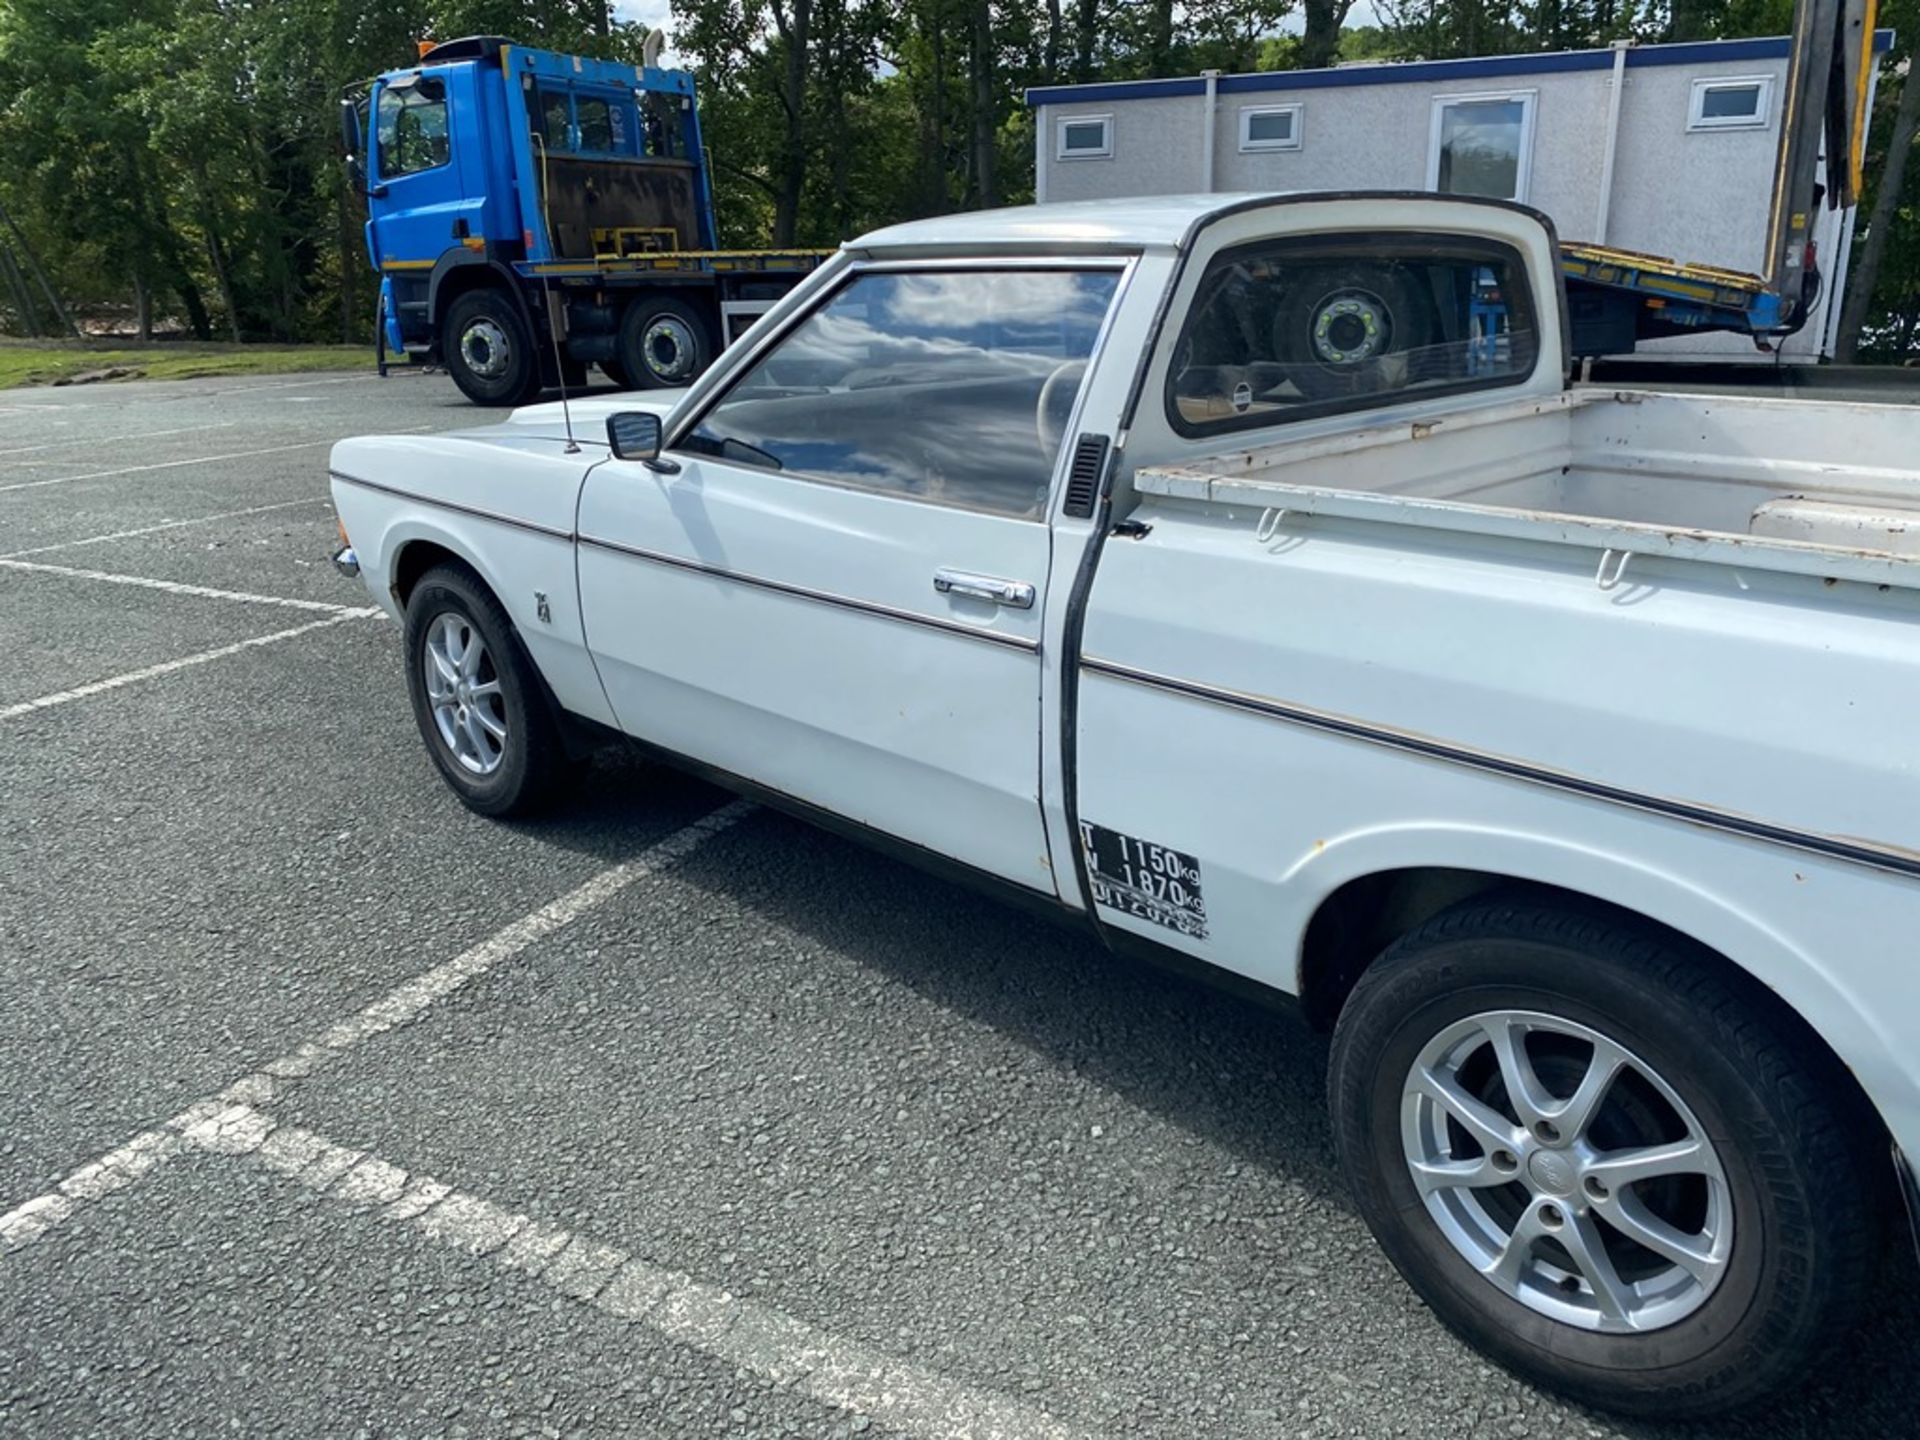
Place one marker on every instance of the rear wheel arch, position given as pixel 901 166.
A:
pixel 1771 1151
pixel 1357 922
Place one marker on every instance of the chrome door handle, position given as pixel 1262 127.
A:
pixel 1016 594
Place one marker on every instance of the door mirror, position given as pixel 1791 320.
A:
pixel 635 435
pixel 350 136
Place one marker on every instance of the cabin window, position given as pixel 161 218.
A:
pixel 664 122
pixel 1744 103
pixel 1270 127
pixel 556 121
pixel 412 124
pixel 1311 325
pixel 949 387
pixel 1085 137
pixel 1481 145
pixel 596 126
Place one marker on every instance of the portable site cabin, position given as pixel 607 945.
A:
pixel 1671 150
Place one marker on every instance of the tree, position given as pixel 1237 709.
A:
pixel 1320 41
pixel 176 161
pixel 1885 218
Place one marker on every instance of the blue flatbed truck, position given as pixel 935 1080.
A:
pixel 531 214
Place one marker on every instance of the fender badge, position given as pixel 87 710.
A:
pixel 541 608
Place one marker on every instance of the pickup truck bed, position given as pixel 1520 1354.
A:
pixel 1731 480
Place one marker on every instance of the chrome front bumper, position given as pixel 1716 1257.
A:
pixel 346 562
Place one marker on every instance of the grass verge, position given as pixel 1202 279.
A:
pixel 44 363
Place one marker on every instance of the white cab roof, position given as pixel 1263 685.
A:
pixel 1139 223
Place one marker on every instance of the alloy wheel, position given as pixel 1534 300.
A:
pixel 1566 1171
pixel 463 689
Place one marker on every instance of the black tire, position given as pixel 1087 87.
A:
pixel 617 373
pixel 1376 303
pixel 1804 1224
pixel 532 760
pixel 488 349
pixel 664 343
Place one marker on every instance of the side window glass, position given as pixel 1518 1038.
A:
pixel 412 127
pixel 1314 325
pixel 952 388
pixel 556 118
pixel 665 131
pixel 596 127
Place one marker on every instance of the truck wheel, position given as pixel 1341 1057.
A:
pixel 664 344
pixel 481 706
pixel 617 373
pixel 1339 330
pixel 488 349
pixel 1599 1161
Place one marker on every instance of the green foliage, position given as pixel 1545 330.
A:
pixel 181 154
pixel 23 364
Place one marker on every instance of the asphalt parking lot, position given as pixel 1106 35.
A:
pixel 327 1108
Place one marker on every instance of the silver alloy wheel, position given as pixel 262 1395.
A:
pixel 464 690
pixel 669 348
pixel 485 349
pixel 1565 1170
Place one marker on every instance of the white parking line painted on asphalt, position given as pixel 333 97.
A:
pixel 179 587
pixel 67 399
pixel 158 528
pixel 120 439
pixel 115 1170
pixel 162 465
pixel 198 459
pixel 167 667
pixel 781 1350
pixel 303 383
pixel 32 1219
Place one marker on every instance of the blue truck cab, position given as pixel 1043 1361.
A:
pixel 531 214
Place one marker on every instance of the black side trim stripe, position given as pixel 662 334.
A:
pixel 823 597
pixel 1878 857
pixel 474 510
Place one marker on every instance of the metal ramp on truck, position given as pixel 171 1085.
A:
pixel 1615 294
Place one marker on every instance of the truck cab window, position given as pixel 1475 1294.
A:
pixel 952 388
pixel 1313 325
pixel 412 127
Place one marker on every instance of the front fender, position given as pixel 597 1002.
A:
pixel 502 507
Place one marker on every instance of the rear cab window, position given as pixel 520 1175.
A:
pixel 1310 325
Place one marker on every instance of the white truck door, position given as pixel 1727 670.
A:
pixel 838 593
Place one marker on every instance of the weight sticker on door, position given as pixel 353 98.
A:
pixel 1145 880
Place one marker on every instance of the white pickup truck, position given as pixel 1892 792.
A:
pixel 1240 577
